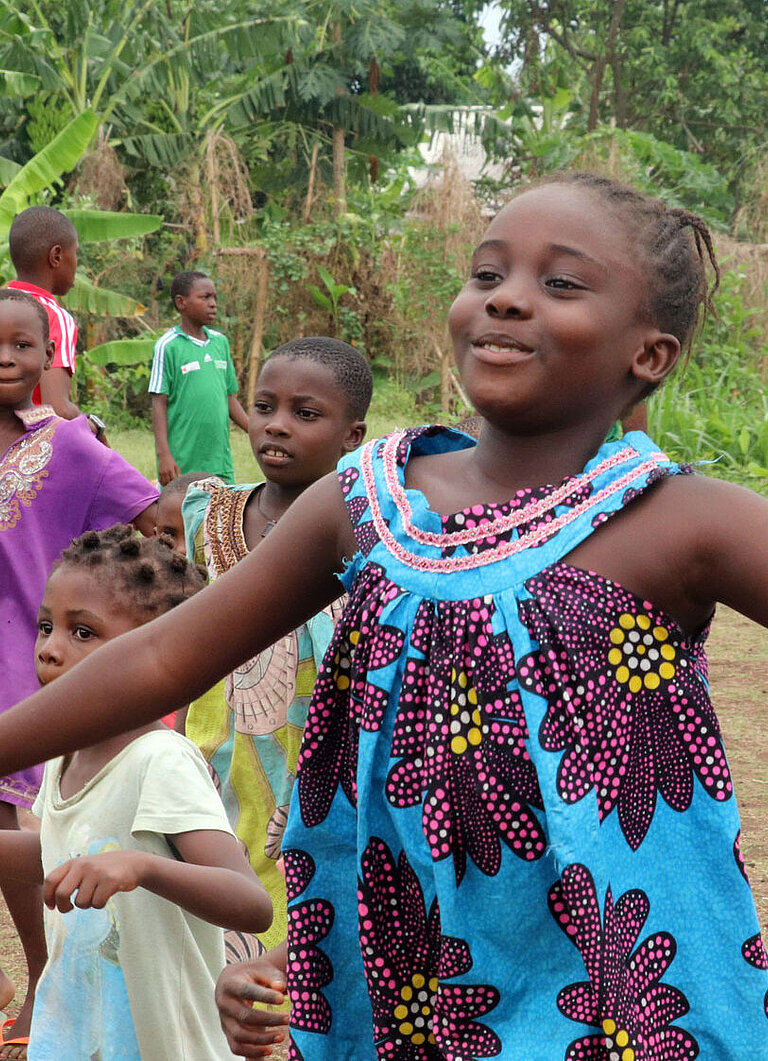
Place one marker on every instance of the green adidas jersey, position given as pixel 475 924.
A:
pixel 198 377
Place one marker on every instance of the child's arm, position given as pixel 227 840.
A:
pixel 237 413
pixel 172 660
pixel 214 882
pixel 730 525
pixel 251 1032
pixel 20 858
pixel 167 468
pixel 55 390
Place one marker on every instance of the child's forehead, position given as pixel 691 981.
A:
pixel 560 212
pixel 21 314
pixel 169 503
pixel 301 376
pixel 201 284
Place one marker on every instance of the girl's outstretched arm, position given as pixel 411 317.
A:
pixel 214 882
pixel 161 666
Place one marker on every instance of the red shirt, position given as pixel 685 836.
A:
pixel 62 329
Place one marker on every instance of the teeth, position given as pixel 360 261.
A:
pixel 498 348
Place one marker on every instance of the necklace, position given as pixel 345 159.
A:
pixel 268 523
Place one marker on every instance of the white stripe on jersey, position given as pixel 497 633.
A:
pixel 158 362
pixel 68 330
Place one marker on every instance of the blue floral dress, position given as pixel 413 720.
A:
pixel 514 832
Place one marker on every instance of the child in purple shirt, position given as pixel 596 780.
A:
pixel 56 481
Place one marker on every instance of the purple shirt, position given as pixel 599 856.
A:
pixel 56 482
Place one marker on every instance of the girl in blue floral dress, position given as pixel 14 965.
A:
pixel 513 832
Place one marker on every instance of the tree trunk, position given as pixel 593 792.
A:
pixel 311 183
pixel 598 70
pixel 339 162
pixel 339 172
pixel 259 321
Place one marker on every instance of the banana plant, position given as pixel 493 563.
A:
pixel 44 171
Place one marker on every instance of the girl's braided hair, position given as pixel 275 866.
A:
pixel 145 575
pixel 674 247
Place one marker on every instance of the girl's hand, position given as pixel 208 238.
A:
pixel 251 1032
pixel 95 878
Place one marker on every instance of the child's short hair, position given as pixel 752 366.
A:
pixel 11 294
pixel 350 370
pixel 145 571
pixel 672 244
pixel 181 483
pixel 183 283
pixel 34 231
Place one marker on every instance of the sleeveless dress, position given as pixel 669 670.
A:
pixel 515 834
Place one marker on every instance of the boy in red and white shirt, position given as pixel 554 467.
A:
pixel 43 246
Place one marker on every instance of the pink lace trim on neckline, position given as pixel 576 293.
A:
pixel 534 510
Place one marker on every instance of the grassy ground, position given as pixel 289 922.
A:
pixel 738 653
pixel 137 446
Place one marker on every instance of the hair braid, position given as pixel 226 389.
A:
pixel 144 575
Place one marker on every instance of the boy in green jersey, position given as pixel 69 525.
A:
pixel 194 387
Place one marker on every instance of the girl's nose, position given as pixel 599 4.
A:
pixel 511 298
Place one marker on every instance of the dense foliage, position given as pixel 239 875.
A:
pixel 274 141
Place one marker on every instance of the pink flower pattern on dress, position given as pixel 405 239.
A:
pixel 345 697
pixel 627 699
pixel 416 1015
pixel 624 996
pixel 460 738
pixel 309 922
pixel 753 951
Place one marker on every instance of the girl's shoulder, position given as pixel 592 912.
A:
pixel 688 543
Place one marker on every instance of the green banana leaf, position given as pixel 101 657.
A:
pixel 93 226
pixel 17 83
pixel 85 297
pixel 8 170
pixel 122 352
pixel 60 155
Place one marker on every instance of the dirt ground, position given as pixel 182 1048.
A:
pixel 738 655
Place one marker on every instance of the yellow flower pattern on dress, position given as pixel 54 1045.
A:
pixel 617 1042
pixel 466 719
pixel 413 1012
pixel 24 471
pixel 642 653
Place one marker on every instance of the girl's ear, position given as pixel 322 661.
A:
pixel 656 358
pixel 50 350
pixel 355 436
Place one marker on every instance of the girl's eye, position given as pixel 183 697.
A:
pixel 83 633
pixel 44 627
pixel 563 283
pixel 261 407
pixel 307 414
pixel 485 275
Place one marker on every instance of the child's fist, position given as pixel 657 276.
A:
pixel 251 1032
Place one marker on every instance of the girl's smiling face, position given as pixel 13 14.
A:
pixel 24 353
pixel 77 616
pixel 548 332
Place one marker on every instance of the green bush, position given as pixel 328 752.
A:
pixel 715 408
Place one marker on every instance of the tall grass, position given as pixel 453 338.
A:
pixel 716 407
